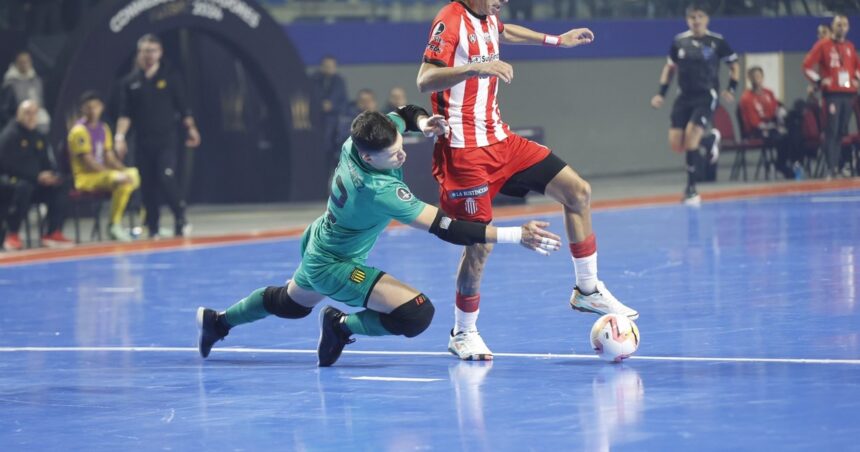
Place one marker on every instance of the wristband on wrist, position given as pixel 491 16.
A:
pixel 663 88
pixel 551 40
pixel 119 137
pixel 733 86
pixel 513 234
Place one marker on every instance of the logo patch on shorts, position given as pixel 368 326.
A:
pixel 471 206
pixel 357 276
pixel 474 192
pixel 404 194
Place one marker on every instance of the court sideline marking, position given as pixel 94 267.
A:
pixel 547 356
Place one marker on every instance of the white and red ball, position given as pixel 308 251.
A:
pixel 614 337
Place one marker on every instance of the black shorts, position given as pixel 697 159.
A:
pixel 534 178
pixel 696 108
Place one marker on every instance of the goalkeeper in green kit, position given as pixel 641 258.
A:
pixel 367 191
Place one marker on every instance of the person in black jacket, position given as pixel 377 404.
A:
pixel 151 98
pixel 27 175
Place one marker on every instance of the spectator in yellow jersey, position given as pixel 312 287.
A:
pixel 96 167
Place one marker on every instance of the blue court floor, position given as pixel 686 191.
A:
pixel 750 341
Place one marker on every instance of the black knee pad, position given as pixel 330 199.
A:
pixel 411 318
pixel 277 301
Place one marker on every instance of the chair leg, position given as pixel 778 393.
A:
pixel 76 219
pixel 26 225
pixel 40 224
pixel 96 233
pixel 760 164
pixel 819 164
pixel 736 168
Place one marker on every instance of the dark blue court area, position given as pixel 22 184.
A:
pixel 750 341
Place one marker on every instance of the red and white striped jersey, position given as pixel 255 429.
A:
pixel 459 36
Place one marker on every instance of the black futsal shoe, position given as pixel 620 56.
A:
pixel 333 337
pixel 211 330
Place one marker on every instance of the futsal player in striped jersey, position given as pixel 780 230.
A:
pixel 481 157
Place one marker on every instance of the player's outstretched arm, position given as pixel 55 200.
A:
pixel 530 235
pixel 433 78
pixel 517 34
pixel 734 75
pixel 665 79
pixel 419 120
pixel 433 126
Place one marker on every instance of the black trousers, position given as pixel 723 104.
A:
pixel 838 108
pixel 17 197
pixel 158 182
pixel 786 154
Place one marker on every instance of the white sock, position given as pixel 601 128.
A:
pixel 464 320
pixel 586 273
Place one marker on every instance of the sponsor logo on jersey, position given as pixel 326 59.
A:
pixel 438 29
pixel 483 58
pixel 404 194
pixel 473 192
pixel 357 276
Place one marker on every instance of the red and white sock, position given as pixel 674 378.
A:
pixel 585 263
pixel 466 312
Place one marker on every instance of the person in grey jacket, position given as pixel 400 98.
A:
pixel 20 83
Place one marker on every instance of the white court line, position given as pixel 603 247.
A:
pixel 410 380
pixel 822 199
pixel 416 353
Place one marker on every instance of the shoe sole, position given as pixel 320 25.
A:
pixel 319 341
pixel 200 330
pixel 478 357
pixel 57 245
pixel 592 311
pixel 694 201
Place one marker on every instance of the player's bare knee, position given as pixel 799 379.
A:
pixel 278 302
pixel 411 318
pixel 578 196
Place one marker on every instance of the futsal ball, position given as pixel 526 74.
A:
pixel 614 337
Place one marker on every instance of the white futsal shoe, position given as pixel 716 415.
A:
pixel 468 345
pixel 600 302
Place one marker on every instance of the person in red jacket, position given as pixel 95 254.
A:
pixel 832 66
pixel 763 117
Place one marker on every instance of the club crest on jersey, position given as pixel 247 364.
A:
pixel 707 52
pixel 474 192
pixel 472 38
pixel 357 276
pixel 439 29
pixel 404 194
